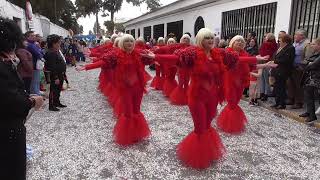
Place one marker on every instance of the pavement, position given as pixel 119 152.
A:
pixel 77 143
pixel 288 112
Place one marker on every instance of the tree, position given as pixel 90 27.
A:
pixel 114 26
pixel 88 7
pixel 113 6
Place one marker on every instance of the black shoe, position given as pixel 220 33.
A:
pixel 274 106
pixel 297 106
pixel 264 98
pixel 281 107
pixel 310 120
pixel 53 108
pixel 304 115
pixel 61 105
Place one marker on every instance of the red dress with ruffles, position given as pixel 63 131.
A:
pixel 203 145
pixel 129 83
pixel 232 118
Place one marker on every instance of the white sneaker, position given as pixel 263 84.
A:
pixel 318 111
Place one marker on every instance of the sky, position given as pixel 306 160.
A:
pixel 127 12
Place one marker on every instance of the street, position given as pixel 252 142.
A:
pixel 77 143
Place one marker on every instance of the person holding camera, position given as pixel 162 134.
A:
pixel 15 105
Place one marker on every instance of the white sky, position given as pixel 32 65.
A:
pixel 127 12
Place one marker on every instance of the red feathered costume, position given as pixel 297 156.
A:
pixel 157 81
pixel 232 119
pixel 202 146
pixel 129 83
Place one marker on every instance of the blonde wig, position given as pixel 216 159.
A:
pixel 237 38
pixel 171 41
pixel 125 38
pixel 202 34
pixel 185 36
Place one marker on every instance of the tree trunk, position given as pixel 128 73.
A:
pixel 97 22
pixel 112 21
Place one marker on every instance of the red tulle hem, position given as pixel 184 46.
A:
pixel 201 150
pixel 179 96
pixel 232 120
pixel 128 131
pixel 157 83
pixel 168 86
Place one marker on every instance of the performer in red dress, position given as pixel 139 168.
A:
pixel 232 119
pixel 157 82
pixel 179 95
pixel 131 126
pixel 140 46
pixel 207 67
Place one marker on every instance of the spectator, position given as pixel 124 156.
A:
pixel 14 105
pixel 254 86
pixel 72 53
pixel 25 67
pixel 284 59
pixel 36 56
pixel 252 49
pixel 280 35
pixel 295 91
pixel 223 43
pixel 268 48
pixel 80 46
pixel 311 81
pixel 216 42
pixel 251 35
pixel 57 68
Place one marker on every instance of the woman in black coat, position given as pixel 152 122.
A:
pixel 311 81
pixel 14 105
pixel 284 58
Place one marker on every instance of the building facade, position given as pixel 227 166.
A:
pixel 40 24
pixel 228 16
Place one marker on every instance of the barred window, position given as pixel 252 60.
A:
pixel 305 14
pixel 259 19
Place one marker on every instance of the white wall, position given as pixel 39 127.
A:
pixel 41 24
pixel 212 15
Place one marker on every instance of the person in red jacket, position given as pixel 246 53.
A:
pixel 268 48
pixel 131 126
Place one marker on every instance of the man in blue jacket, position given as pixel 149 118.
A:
pixel 37 55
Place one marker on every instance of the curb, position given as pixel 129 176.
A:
pixel 287 113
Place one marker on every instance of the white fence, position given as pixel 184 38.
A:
pixel 41 24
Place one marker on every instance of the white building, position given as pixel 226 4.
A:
pixel 41 25
pixel 229 16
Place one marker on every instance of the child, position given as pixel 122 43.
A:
pixel 254 90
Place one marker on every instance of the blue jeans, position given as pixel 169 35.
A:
pixel 264 83
pixel 35 82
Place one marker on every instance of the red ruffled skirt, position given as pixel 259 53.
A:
pixel 168 86
pixel 179 96
pixel 232 119
pixel 128 131
pixel 200 150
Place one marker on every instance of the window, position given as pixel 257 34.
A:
pixel 139 33
pixel 158 31
pixel 147 33
pixel 198 25
pixel 305 14
pixel 259 19
pixel 175 28
pixel 133 33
